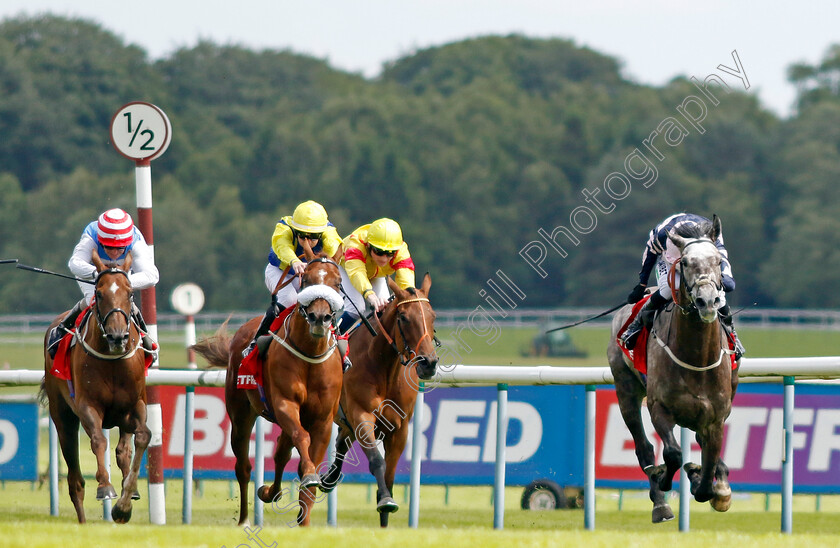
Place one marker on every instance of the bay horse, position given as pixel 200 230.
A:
pixel 690 381
pixel 302 378
pixel 107 389
pixel 377 401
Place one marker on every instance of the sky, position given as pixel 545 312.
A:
pixel 654 40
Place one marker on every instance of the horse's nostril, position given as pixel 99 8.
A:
pixel 701 302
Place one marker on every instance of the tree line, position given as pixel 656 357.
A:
pixel 474 147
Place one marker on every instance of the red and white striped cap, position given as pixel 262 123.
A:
pixel 115 228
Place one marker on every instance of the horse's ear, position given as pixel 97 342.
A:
pixel 127 263
pixel 426 284
pixel 97 262
pixel 307 250
pixel 716 228
pixel 392 285
pixel 678 240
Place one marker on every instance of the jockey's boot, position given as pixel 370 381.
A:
pixel 342 340
pixel 343 343
pixel 726 320
pixel 149 345
pixel 65 326
pixel 643 319
pixel 271 314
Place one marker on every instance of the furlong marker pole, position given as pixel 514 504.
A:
pixel 154 417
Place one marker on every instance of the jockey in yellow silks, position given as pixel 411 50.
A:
pixel 371 253
pixel 308 222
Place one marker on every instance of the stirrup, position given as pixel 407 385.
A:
pixel 249 348
pixel 628 338
pixel 346 364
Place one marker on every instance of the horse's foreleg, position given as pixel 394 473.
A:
pixel 711 443
pixel 282 454
pixel 288 418
pixel 67 426
pixel 664 423
pixel 136 423
pixel 394 447
pixel 366 436
pixel 630 405
pixel 723 492
pixel 343 441
pixel 91 420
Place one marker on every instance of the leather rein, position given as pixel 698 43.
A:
pixel 412 352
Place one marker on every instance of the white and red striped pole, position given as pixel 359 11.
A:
pixel 141 132
pixel 154 416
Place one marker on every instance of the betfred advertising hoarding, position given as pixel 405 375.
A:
pixel 545 438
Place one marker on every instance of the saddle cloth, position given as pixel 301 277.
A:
pixel 638 359
pixel 250 375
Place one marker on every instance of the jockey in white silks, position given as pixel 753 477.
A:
pixel 113 237
pixel 660 253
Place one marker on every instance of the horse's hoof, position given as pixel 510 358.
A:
pixel 309 480
pixel 135 495
pixel 387 506
pixel 326 486
pixel 262 493
pixel 721 504
pixel 105 492
pixel 662 514
pixel 119 516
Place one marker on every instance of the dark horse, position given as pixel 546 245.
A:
pixel 107 366
pixel 689 379
pixel 301 382
pixel 380 389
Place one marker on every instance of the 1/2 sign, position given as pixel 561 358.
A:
pixel 140 131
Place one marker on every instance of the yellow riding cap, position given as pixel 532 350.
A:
pixel 385 234
pixel 309 217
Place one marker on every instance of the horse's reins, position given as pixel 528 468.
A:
pixel 411 351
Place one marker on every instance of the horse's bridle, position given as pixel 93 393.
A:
pixel 689 288
pixel 100 320
pixel 302 310
pixel 411 352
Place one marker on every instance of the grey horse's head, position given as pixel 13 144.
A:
pixel 700 268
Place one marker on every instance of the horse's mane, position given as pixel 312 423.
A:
pixel 690 230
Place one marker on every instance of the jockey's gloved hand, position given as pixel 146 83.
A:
pixel 637 294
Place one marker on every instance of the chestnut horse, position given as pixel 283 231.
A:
pixel 380 389
pixel 107 366
pixel 690 381
pixel 301 384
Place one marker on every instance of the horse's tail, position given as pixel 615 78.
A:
pixel 216 348
pixel 43 399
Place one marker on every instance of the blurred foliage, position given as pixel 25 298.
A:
pixel 472 146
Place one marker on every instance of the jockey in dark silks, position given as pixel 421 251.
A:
pixel 660 253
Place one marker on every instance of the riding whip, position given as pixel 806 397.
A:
pixel 8 261
pixel 613 309
pixel 361 315
pixel 42 271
